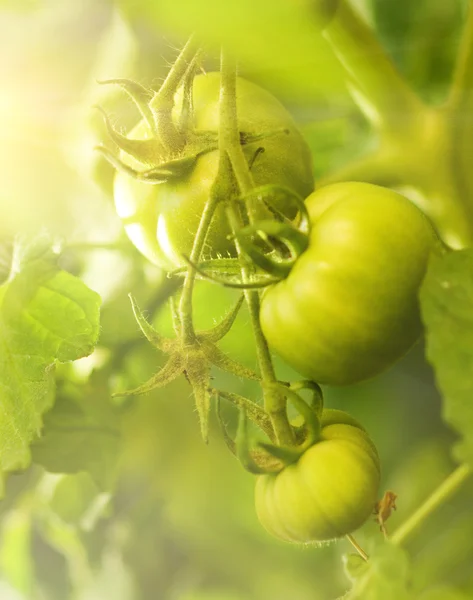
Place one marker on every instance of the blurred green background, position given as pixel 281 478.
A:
pixel 176 520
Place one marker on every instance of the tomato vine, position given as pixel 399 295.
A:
pixel 215 182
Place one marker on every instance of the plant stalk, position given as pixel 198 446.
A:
pixel 229 141
pixel 357 547
pixel 445 490
pixel 185 304
pixel 380 91
pixel 461 91
pixel 163 102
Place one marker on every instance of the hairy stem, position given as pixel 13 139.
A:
pixel 163 102
pixel 275 403
pixel 380 91
pixel 185 305
pixel 445 490
pixel 357 547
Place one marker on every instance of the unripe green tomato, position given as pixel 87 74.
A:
pixel 161 220
pixel 330 491
pixel 349 307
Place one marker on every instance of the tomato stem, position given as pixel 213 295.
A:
pixel 163 102
pixel 229 132
pixel 461 94
pixel 445 490
pixel 378 168
pixel 185 305
pixel 229 142
pixel 442 135
pixel 357 547
pixel 381 92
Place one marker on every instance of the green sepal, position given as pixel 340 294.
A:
pixel 242 446
pixel 312 426
pixel 152 176
pixel 187 110
pixel 177 167
pixel 264 461
pixel 229 442
pixel 148 330
pixel 273 196
pixel 317 400
pixel 287 456
pixel 163 101
pixel 171 371
pixel 148 152
pixel 225 363
pixel 273 263
pixel 140 95
pixel 257 281
pixel 221 329
pixel 197 372
pixel 253 411
pixel 215 266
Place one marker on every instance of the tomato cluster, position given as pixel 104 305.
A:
pixel 346 310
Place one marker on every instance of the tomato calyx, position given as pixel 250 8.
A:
pixel 194 361
pixel 226 274
pixel 269 457
pixel 275 245
pixel 286 244
pixel 309 433
pixel 163 164
pixel 141 96
pixel 272 246
pixel 164 161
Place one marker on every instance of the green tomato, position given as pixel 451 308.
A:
pixel 162 220
pixel 330 491
pixel 349 307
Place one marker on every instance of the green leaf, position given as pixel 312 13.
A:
pixel 355 566
pixel 447 309
pixel 385 576
pixel 81 433
pixel 46 314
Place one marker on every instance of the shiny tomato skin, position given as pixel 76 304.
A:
pixel 349 307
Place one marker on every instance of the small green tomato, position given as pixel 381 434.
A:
pixel 329 492
pixel 162 220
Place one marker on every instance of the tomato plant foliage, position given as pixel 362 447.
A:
pixel 47 316
pixel 363 288
pixel 446 300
